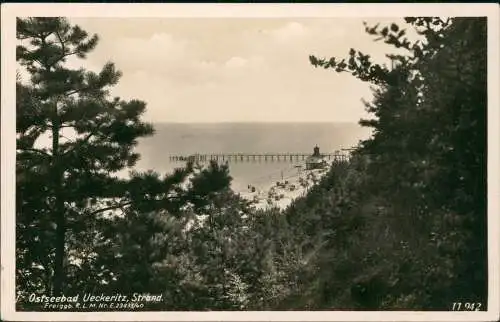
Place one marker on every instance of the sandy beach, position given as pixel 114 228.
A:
pixel 281 193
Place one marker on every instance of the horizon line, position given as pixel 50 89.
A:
pixel 253 122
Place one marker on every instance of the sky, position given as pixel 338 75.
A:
pixel 235 69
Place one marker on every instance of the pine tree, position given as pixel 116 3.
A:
pixel 74 215
pixel 61 187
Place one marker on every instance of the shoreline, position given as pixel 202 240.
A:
pixel 281 193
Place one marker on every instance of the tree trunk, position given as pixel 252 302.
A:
pixel 59 218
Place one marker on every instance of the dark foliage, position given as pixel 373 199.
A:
pixel 401 225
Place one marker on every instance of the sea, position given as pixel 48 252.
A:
pixel 212 138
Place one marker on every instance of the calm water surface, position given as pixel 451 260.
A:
pixel 186 139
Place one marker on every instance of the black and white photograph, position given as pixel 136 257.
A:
pixel 279 162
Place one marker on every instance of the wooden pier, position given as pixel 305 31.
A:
pixel 255 157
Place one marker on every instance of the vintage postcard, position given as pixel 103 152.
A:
pixel 250 162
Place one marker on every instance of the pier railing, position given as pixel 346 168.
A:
pixel 255 157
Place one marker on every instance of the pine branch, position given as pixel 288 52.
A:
pixel 63 47
pixel 76 91
pixel 111 208
pixel 128 203
pixel 36 151
pixel 84 140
